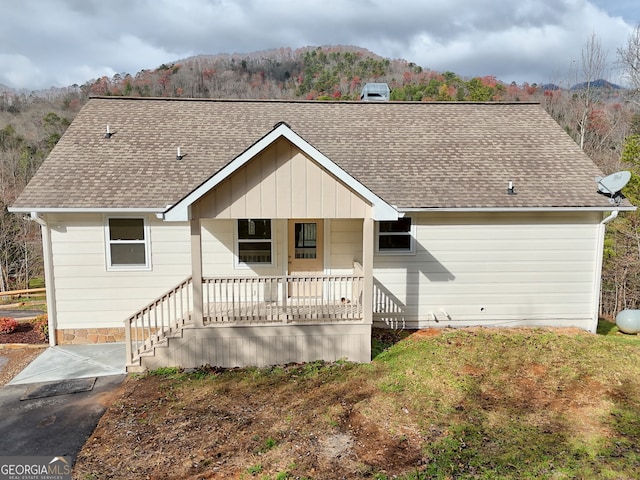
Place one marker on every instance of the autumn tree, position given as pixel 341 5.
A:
pixel 629 62
pixel 27 136
pixel 586 89
pixel 621 272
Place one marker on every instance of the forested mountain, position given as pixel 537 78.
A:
pixel 595 113
pixel 323 73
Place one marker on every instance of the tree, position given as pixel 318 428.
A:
pixel 629 61
pixel 587 91
pixel 621 269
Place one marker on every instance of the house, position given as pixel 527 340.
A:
pixel 234 233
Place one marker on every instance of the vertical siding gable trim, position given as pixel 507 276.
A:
pixel 381 210
pixel 281 182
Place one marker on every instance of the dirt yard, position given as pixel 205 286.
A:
pixel 18 349
pixel 312 421
pixel 292 422
pixel 317 431
pixel 13 359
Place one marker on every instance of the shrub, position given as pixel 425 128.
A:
pixel 8 325
pixel 41 325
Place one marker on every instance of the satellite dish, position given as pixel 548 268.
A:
pixel 612 184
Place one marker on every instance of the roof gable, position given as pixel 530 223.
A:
pixel 380 210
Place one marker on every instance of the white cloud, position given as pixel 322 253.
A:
pixel 530 51
pixel 73 41
pixel 17 70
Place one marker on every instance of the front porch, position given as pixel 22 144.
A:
pixel 281 244
pixel 254 321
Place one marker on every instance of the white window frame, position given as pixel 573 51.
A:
pixel 146 241
pixel 237 241
pixel 412 241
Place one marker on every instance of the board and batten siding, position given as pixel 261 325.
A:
pixel 90 296
pixel 282 182
pixel 262 346
pixel 492 269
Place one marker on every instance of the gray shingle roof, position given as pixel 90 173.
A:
pixel 413 155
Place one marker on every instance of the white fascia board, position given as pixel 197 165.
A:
pixel 381 210
pixel 84 210
pixel 520 209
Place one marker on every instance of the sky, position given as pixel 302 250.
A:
pixel 45 43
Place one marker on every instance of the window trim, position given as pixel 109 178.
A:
pixel 412 239
pixel 236 245
pixel 147 245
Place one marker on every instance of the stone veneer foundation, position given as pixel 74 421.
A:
pixel 89 335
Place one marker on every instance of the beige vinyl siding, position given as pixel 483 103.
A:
pixel 282 182
pixel 492 269
pixel 90 296
pixel 345 240
pixel 219 239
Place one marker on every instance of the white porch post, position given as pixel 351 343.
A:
pixel 368 233
pixel 196 271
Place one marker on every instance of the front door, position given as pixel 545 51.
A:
pixel 306 256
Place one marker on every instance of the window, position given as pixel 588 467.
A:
pixel 255 242
pixel 395 237
pixel 305 237
pixel 127 244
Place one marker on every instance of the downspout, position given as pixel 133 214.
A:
pixel 597 282
pixel 613 215
pixel 48 275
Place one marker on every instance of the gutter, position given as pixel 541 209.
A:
pixel 83 210
pixel 630 208
pixel 48 275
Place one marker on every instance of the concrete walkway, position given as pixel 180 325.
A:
pixel 64 362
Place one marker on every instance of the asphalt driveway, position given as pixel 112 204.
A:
pixel 52 407
pixel 18 314
pixel 57 425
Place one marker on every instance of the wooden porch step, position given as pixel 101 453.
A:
pixel 150 350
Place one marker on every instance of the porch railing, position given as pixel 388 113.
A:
pixel 151 325
pixel 282 299
pixel 246 301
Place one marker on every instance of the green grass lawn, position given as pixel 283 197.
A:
pixel 535 404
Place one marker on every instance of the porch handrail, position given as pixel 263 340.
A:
pixel 153 323
pixel 282 298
